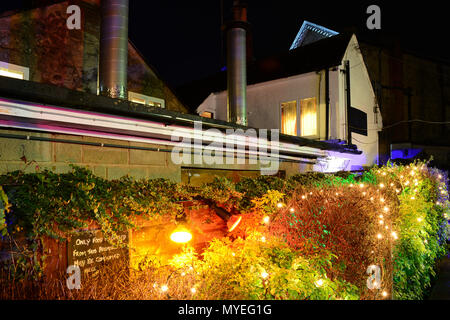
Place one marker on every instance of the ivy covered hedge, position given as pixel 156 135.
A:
pixel 321 237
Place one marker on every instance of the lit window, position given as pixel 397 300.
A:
pixel 14 71
pixel 308 117
pixel 207 114
pixel 289 118
pixel 147 100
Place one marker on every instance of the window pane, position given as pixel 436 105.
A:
pixel 11 74
pixel 207 114
pixel 137 100
pixel 289 118
pixel 308 121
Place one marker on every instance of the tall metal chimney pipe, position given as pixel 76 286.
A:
pixel 114 48
pixel 237 64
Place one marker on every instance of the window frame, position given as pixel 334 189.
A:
pixel 315 136
pixel 147 99
pixel 16 68
pixel 296 115
pixel 298 102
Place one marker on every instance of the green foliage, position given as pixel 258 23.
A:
pixel 253 270
pixel 4 207
pixel 45 204
pixel 421 225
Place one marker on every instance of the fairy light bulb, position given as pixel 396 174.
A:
pixel 193 290
pixel 382 200
pixel 419 219
pixel 381 216
pixel 379 236
pixel 364 194
pixel 264 275
pixel 386 209
pixel 319 283
pixel 263 239
pixel 266 219
pixel 381 222
pixel 394 235
pixel 391 184
pixel 351 185
pixel 292 210
pixel 384 294
pixel 381 185
pixel 361 185
pixel 164 288
pixel 371 198
pixel 280 205
pixel 440 176
pixel 413 198
pixel 303 197
pixel 233 254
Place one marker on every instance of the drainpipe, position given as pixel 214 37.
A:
pixel 236 32
pixel 349 101
pixel 327 103
pixel 114 48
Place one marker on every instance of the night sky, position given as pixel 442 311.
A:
pixel 182 39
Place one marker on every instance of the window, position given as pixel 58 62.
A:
pixel 308 117
pixel 289 118
pixel 143 99
pixel 207 114
pixel 14 71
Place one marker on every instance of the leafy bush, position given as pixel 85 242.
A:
pixel 311 236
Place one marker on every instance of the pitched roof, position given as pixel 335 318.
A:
pixel 325 53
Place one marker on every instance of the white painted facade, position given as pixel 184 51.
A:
pixel 264 105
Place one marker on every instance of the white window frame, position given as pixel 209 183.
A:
pixel 299 116
pixel 147 99
pixel 15 68
pixel 317 135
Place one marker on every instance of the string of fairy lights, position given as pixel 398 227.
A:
pixel 411 180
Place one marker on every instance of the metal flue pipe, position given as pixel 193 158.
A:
pixel 114 48
pixel 237 64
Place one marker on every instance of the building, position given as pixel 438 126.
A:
pixel 320 90
pixel 65 99
pixel 413 92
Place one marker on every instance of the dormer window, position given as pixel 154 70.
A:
pixel 147 100
pixel 14 71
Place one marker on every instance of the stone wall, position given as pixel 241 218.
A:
pixel 109 163
pixel 409 87
pixel 40 40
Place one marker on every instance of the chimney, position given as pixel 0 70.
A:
pixel 114 48
pixel 236 31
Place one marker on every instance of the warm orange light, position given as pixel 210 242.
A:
pixel 234 222
pixel 181 236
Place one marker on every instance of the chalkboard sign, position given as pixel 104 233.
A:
pixel 90 250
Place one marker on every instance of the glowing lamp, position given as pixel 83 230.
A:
pixel 181 236
pixel 233 222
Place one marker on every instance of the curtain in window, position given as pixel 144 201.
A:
pixel 289 118
pixel 308 124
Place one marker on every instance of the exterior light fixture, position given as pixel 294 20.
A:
pixel 181 235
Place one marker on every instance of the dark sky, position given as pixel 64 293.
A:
pixel 182 39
